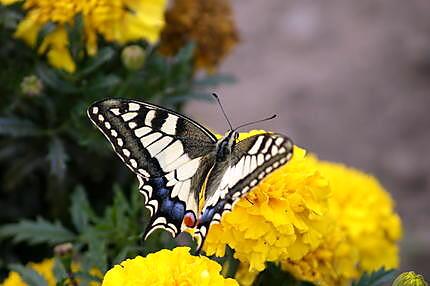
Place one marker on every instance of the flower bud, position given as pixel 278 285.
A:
pixel 31 85
pixel 133 57
pixel 63 249
pixel 409 279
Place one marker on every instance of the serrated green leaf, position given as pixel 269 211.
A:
pixel 103 56
pixel 376 278
pixel 80 209
pixel 38 231
pixel 52 79
pixel 57 158
pixel 30 276
pixel 16 127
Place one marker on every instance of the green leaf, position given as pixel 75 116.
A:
pixel 44 31
pixel 75 32
pixel 57 158
pixel 274 275
pixel 86 279
pixel 375 278
pixel 39 231
pixel 59 270
pixel 103 83
pixel 103 56
pixel 186 53
pixel 231 263
pixel 80 209
pixel 10 19
pixel 52 79
pixel 16 127
pixel 30 276
pixel 122 254
pixel 96 255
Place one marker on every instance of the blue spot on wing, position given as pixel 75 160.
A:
pixel 166 206
pixel 163 193
pixel 178 210
pixel 172 209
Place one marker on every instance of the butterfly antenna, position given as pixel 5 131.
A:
pixel 222 109
pixel 257 121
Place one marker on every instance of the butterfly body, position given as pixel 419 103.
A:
pixel 226 145
pixel 187 176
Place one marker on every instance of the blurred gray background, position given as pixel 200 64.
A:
pixel 350 81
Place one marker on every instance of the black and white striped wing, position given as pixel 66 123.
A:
pixel 168 152
pixel 252 159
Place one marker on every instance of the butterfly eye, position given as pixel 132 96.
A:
pixel 190 219
pixel 236 136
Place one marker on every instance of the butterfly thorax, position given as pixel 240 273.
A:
pixel 225 145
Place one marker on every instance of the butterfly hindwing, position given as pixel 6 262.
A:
pixel 252 159
pixel 168 152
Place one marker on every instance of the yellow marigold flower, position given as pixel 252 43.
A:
pixel 167 267
pixel 284 216
pixel 365 234
pixel 44 268
pixel 207 23
pixel 365 210
pixel 117 21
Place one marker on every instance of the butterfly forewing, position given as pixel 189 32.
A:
pixel 251 160
pixel 168 152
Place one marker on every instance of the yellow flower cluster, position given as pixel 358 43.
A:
pixel 44 268
pixel 117 21
pixel 167 267
pixel 323 222
pixel 283 217
pixel 365 235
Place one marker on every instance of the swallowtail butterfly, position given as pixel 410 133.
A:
pixel 187 176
